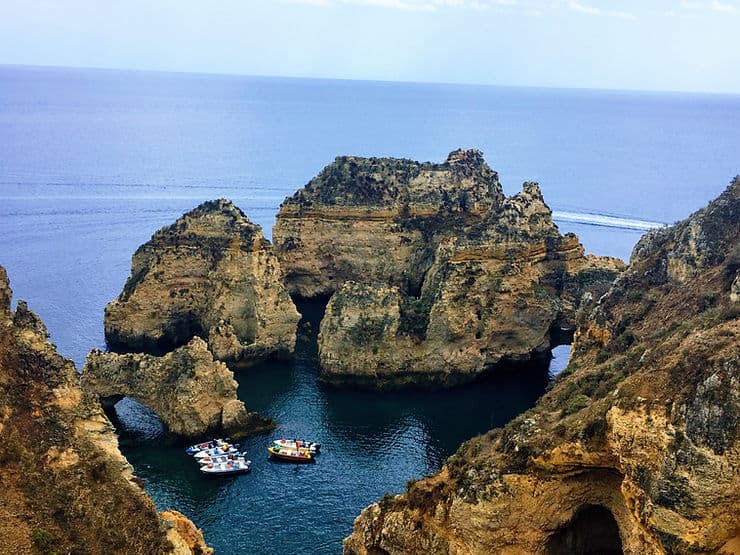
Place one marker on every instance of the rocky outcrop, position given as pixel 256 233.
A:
pixel 211 274
pixel 635 446
pixel 493 293
pixel 193 394
pixel 379 220
pixel 65 487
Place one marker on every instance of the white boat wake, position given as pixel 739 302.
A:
pixel 606 221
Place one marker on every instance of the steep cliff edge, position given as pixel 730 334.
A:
pixel 211 274
pixel 64 485
pixel 634 448
pixel 378 220
pixel 193 394
pixel 494 292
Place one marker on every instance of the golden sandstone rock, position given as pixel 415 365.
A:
pixel 209 272
pixel 436 276
pixel 192 393
pixel 635 446
pixel 65 485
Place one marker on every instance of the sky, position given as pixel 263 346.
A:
pixel 684 45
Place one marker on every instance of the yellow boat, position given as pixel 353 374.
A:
pixel 292 455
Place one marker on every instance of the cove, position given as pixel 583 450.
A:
pixel 373 443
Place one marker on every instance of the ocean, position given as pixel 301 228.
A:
pixel 92 162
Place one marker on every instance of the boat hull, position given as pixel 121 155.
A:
pixel 303 456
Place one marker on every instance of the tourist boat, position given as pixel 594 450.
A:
pixel 293 455
pixel 312 446
pixel 220 458
pixel 238 466
pixel 224 449
pixel 193 449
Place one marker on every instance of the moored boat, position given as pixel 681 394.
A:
pixel 312 446
pixel 224 449
pixel 220 458
pixel 197 448
pixel 238 466
pixel 293 455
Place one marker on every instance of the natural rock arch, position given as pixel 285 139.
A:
pixel 593 530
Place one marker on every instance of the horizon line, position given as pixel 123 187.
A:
pixel 369 80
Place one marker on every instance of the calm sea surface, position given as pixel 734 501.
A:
pixel 92 162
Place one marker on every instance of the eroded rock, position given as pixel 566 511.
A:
pixel 192 393
pixel 379 220
pixel 634 448
pixel 66 487
pixel 493 293
pixel 211 269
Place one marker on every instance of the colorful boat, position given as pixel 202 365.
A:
pixel 239 466
pixel 193 449
pixel 312 446
pixel 288 454
pixel 224 449
pixel 216 459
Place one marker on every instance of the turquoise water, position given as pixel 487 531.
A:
pixel 93 162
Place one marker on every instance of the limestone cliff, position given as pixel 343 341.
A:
pixel 378 219
pixel 64 485
pixel 211 274
pixel 635 446
pixel 193 394
pixel 493 293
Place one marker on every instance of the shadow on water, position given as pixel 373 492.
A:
pixel 373 443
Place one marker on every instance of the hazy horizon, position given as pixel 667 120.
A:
pixel 358 80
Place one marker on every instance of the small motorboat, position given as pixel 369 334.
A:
pixel 193 449
pixel 220 458
pixel 288 454
pixel 223 449
pixel 312 446
pixel 238 466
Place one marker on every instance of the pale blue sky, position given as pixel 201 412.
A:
pixel 686 45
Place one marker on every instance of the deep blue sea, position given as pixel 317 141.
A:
pixel 92 162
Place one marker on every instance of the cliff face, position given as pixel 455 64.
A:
pixel 64 485
pixel 634 448
pixel 378 219
pixel 194 395
pixel 211 274
pixel 493 293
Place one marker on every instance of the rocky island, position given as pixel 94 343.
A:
pixel 634 448
pixel 66 488
pixel 213 275
pixel 435 275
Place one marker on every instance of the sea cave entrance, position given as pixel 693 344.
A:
pixel 592 531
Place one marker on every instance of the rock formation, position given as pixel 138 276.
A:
pixel 635 446
pixel 64 485
pixel 211 274
pixel 378 220
pixel 494 292
pixel 193 394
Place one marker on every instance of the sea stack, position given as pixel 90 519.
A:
pixel 378 220
pixel 65 485
pixel 634 449
pixel 211 274
pixel 436 276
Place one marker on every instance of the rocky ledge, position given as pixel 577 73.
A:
pixel 211 274
pixel 635 446
pixel 65 487
pixel 194 395
pixel 496 291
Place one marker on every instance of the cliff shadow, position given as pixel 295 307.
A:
pixel 592 531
